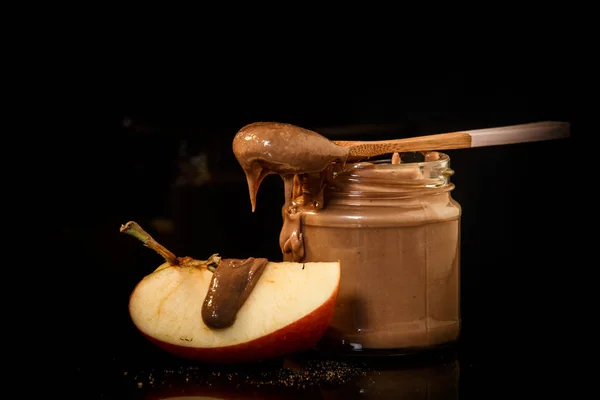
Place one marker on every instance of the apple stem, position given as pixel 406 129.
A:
pixel 132 228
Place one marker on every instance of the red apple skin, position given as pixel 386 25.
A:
pixel 297 336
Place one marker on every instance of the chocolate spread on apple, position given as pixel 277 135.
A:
pixel 395 232
pixel 231 284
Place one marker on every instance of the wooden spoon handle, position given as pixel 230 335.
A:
pixel 522 133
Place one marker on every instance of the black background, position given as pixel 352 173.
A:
pixel 516 236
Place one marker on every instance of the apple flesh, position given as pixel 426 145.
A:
pixel 288 311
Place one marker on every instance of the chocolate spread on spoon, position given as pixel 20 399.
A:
pixel 265 148
pixel 231 284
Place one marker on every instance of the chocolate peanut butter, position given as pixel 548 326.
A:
pixel 231 284
pixel 395 230
pixel 264 148
pixel 394 227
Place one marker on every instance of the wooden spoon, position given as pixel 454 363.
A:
pixel 522 133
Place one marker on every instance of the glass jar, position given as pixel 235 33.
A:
pixel 396 230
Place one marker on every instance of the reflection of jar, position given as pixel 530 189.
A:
pixel 395 229
pixel 431 380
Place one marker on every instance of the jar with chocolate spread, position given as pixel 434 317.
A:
pixel 396 230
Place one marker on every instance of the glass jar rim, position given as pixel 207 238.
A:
pixel 383 178
pixel 386 163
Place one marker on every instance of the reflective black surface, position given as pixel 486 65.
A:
pixel 310 375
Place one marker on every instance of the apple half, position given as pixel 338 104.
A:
pixel 288 311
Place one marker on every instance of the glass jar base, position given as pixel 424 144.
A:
pixel 349 350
